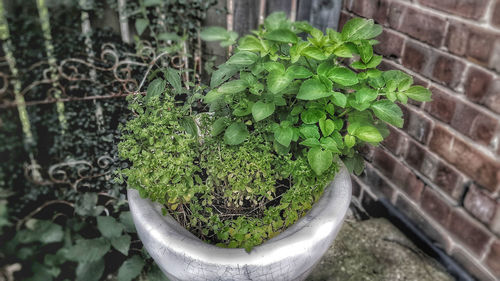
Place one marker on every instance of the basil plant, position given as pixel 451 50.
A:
pixel 316 93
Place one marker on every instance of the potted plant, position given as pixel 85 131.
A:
pixel 249 169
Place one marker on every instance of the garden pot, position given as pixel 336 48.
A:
pixel 291 255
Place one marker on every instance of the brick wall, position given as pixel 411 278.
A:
pixel 443 168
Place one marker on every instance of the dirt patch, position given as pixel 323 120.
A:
pixel 375 249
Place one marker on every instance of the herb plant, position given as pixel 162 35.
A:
pixel 282 113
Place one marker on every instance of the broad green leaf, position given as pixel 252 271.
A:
pixel 329 144
pixel 309 131
pixel 343 76
pixel 343 51
pixel 90 271
pixel 365 95
pixel 298 72
pixel 243 58
pixel 214 33
pixel 311 142
pixel 365 51
pixel 121 244
pixel 277 81
pixel 281 35
pixel 127 221
pixel 327 126
pixel 131 268
pixel 169 36
pixel 155 274
pixel 174 78
pixel 86 205
pixel 296 110
pixel 219 126
pixel 312 115
pixel 319 159
pixel 236 133
pixel 276 20
pixel 349 140
pixel 141 25
pixel 189 125
pixel 244 108
pixel 369 134
pixel 155 88
pixel 212 96
pixel 279 148
pixel 86 250
pixel 284 135
pixel 339 99
pixel 355 164
pixel 43 231
pixel 389 112
pixel 376 60
pixel 223 73
pixel 358 28
pixel 314 53
pixel 324 68
pixel 296 50
pixel 262 110
pixel 303 26
pixel 250 43
pixel 109 227
pixel 233 87
pixel 402 97
pixel 358 65
pixel 313 89
pixel 418 93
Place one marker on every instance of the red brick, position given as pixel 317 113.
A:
pixel 434 205
pixel 468 231
pixel 417 124
pixel 423 26
pixel 479 204
pixel 395 141
pixel 466 158
pixel 384 161
pixel 356 187
pixel 495 17
pixel 473 9
pixel 474 123
pixel 407 181
pixel 492 99
pixel 442 105
pixel 477 84
pixel 495 221
pixel 415 56
pixel 457 38
pixel 493 258
pixel 372 9
pixel 448 70
pixel 391 44
pixel 415 155
pixel 397 12
pixel 474 267
pixel 344 17
pixel 449 180
pixel 481 45
pixel 378 184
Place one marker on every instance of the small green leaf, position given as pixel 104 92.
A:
pixel 389 112
pixel 109 227
pixel 312 115
pixel 262 110
pixel 358 28
pixel 311 142
pixel 150 3
pixel 339 99
pixel 355 164
pixel 236 133
pixel 376 60
pixel 121 244
pixel 327 126
pixel 298 72
pixel 369 134
pixel 343 51
pixel 233 87
pixel 214 33
pixel 343 76
pixel 243 58
pixel 313 89
pixel 349 140
pixel 282 35
pixel 90 271
pixel 130 268
pixel 141 25
pixel 277 81
pixel 309 131
pixel 329 144
pixel 365 95
pixel 86 250
pixel 296 110
pixel 155 88
pixel 314 53
pixel 219 126
pixel 169 36
pixel 222 74
pixel 418 93
pixel 365 50
pixel 319 160
pixel 284 135
pixel 174 78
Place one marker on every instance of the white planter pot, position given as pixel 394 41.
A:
pixel 291 255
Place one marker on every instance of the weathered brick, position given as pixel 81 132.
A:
pixel 495 221
pixel 415 56
pixel 457 37
pixel 481 45
pixel 479 204
pixel 395 141
pixel 495 56
pixel 436 206
pixel 344 17
pixel 367 152
pixel 442 105
pixel 495 16
pixel 423 26
pixel 449 180
pixel 492 100
pixel 473 9
pixel 407 181
pixel 493 258
pixel 412 211
pixel 477 84
pixel 468 231
pixel 415 155
pixel 391 44
pixel 474 123
pixel 466 158
pixel 471 264
pixel 379 185
pixel 371 9
pixel 356 187
pixel 448 70
pixel 396 14
pixel 384 162
pixel 417 124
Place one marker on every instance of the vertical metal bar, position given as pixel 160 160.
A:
pixel 262 11
pixel 293 10
pixel 43 12
pixel 124 28
pixel 230 20
pixel 19 98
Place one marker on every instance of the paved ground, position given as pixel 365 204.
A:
pixel 374 249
